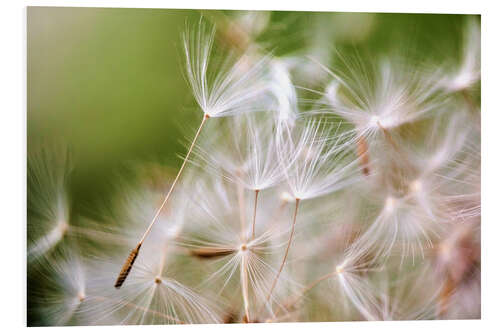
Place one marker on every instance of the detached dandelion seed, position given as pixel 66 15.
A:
pixel 314 166
pixel 228 94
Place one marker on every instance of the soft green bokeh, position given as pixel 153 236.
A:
pixel 109 82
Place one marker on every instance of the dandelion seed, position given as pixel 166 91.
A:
pixel 150 298
pixel 65 279
pixel 378 99
pixel 248 159
pixel 229 89
pixel 389 96
pixel 228 94
pixel 315 161
pixel 402 297
pixel 152 295
pixel 468 72
pixel 246 152
pixel 214 229
pixel 313 167
pixel 457 259
pixel 350 280
pixel 48 199
pixel 283 90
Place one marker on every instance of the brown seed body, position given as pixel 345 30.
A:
pixel 127 266
pixel 210 252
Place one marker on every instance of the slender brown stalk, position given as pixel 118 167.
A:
pixel 244 286
pixel 468 101
pixel 278 212
pixel 466 251
pixel 255 212
pixel 242 210
pixel 396 147
pixel 389 138
pixel 306 289
pixel 135 252
pixel 362 151
pixel 445 295
pixel 163 258
pixel 230 318
pixel 286 251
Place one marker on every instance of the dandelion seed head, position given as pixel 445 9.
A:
pixel 375 121
pixel 151 294
pixel 382 95
pixel 48 201
pixel 416 185
pixel 284 92
pixel 249 156
pixel 390 204
pixel 233 87
pixel 445 250
pixel 313 162
pixel 331 92
pixel 462 80
pixel 64 280
pixel 468 72
pixel 286 196
pixel 81 296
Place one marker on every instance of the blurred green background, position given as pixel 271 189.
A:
pixel 109 84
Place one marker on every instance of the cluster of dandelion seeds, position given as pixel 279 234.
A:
pixel 360 201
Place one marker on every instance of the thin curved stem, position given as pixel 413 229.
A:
pixel 127 266
pixel 468 101
pixel 389 138
pixel 255 212
pixel 362 151
pixel 308 288
pixel 286 251
pixel 396 147
pixel 242 210
pixel 176 179
pixel 244 287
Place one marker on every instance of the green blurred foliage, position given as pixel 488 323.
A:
pixel 109 83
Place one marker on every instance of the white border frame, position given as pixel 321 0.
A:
pixel 13 153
